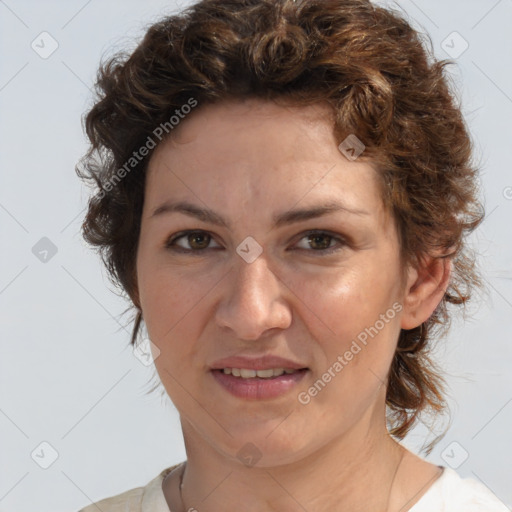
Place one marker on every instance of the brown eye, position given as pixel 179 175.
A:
pixel 190 241
pixel 198 240
pixel 321 242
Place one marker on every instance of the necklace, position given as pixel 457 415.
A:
pixel 387 503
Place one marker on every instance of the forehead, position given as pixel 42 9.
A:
pixel 256 150
pixel 237 120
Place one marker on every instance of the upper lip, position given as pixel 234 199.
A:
pixel 256 363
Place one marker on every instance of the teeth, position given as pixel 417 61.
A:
pixel 246 373
pixel 264 374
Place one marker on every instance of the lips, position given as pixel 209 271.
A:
pixel 257 363
pixel 256 388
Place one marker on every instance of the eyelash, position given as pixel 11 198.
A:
pixel 173 238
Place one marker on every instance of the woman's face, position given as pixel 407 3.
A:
pixel 252 180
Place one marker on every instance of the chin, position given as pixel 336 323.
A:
pixel 265 446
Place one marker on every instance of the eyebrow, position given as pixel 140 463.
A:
pixel 280 219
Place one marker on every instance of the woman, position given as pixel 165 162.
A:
pixel 284 192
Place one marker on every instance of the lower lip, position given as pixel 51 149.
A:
pixel 256 388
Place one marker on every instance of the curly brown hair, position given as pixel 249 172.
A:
pixel 382 82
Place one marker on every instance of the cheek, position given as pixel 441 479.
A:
pixel 174 303
pixel 354 317
pixel 356 337
pixel 173 313
pixel 348 300
pixel 168 295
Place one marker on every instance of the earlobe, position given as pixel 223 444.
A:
pixel 425 289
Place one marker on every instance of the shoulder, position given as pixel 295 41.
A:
pixel 128 500
pixel 451 493
pixel 140 499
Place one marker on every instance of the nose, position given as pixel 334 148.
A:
pixel 253 302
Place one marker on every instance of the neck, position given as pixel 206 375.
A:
pixel 336 476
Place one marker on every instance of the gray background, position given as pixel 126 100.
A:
pixel 67 374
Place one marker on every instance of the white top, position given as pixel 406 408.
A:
pixel 449 493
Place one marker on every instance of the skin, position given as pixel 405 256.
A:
pixel 248 160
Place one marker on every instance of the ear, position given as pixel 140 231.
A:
pixel 426 285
